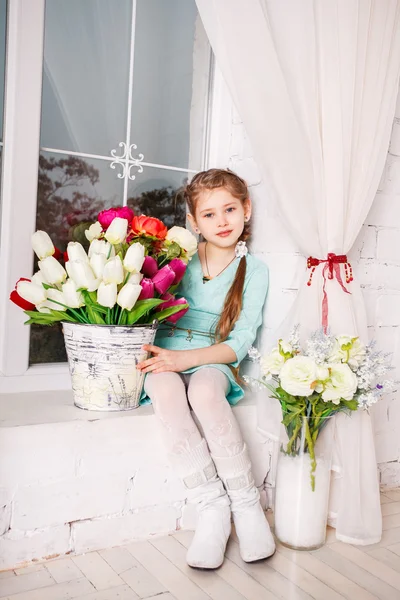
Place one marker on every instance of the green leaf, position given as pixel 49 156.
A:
pixel 94 316
pixel 168 312
pixel 141 308
pixel 48 318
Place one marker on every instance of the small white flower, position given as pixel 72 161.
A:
pixel 348 349
pixel 94 231
pixel 241 250
pixel 184 239
pixel 272 363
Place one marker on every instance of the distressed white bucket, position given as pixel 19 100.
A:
pixel 102 362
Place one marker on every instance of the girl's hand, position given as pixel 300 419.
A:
pixel 165 360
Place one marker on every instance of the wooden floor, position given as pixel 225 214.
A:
pixel 157 570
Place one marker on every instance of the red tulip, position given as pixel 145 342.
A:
pixel 150 267
pixel 16 298
pixel 149 226
pixel 174 302
pixel 163 279
pixel 179 268
pixel 147 289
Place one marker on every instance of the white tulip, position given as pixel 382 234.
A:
pixel 113 271
pixel 38 278
pixel 98 262
pixel 128 295
pixel 184 239
pixel 35 294
pixel 52 271
pixel 73 298
pixel 101 247
pixel 42 244
pixel 55 300
pixel 135 278
pixel 94 231
pixel 134 258
pixel 117 230
pixel 107 294
pixel 82 274
pixel 76 251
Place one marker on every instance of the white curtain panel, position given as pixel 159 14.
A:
pixel 315 82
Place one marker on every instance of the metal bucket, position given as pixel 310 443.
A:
pixel 102 362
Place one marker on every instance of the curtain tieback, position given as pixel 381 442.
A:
pixel 332 270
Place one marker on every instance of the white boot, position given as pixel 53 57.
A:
pixel 255 538
pixel 204 487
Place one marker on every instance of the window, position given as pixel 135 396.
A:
pixel 85 83
pixel 124 99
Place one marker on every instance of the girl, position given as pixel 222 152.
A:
pixel 195 365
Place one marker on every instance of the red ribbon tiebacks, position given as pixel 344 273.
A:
pixel 332 269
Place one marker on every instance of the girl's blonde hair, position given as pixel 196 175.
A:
pixel 211 180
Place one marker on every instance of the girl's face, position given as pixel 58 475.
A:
pixel 220 217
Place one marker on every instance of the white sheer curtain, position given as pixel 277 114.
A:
pixel 315 84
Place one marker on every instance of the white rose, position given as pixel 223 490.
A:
pixel 272 363
pixel 298 375
pixel 342 383
pixel 184 238
pixel 348 349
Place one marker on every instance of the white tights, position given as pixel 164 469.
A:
pixel 172 394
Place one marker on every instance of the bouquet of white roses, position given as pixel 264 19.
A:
pixel 128 276
pixel 330 374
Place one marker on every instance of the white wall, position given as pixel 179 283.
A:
pixel 375 258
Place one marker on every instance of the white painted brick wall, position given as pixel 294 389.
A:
pixel 376 261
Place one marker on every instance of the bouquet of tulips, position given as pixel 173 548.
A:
pixel 128 276
pixel 330 374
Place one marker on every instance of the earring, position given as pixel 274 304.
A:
pixel 247 219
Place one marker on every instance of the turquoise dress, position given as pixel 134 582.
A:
pixel 195 329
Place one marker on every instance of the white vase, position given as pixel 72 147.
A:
pixel 102 362
pixel 301 493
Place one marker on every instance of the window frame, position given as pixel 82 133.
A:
pixel 24 64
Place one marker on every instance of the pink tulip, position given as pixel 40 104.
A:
pixel 149 268
pixel 175 302
pixel 163 279
pixel 147 289
pixel 179 268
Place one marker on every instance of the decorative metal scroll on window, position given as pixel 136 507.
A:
pixel 127 161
